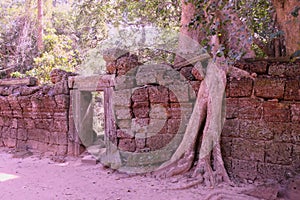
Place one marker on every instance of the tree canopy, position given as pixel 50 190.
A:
pixel 84 24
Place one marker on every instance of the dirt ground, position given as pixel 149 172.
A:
pixel 36 177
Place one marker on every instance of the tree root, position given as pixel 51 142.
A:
pixel 203 173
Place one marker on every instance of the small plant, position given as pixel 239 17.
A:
pixel 58 53
pixel 17 75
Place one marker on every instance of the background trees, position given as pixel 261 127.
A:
pixel 273 25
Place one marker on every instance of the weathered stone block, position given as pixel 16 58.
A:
pixel 231 128
pixel 146 75
pixel 126 64
pixel 271 88
pixel 276 112
pixel 125 134
pixel 232 108
pixel 13 133
pixel 114 54
pixel 62 101
pixel 179 92
pixel 29 123
pixel 13 102
pixel 197 74
pixel 257 130
pixel 157 126
pixel 296 155
pixel 14 123
pixel 250 109
pixel 127 145
pixel 61 87
pixel 295 132
pixel 26 91
pixel 139 126
pixel 158 94
pixel 44 123
pixel 124 82
pixel 140 143
pixel 250 150
pixel 278 153
pixel 123 113
pixel 281 131
pixel 140 95
pixel 292 90
pixel 58 138
pixel 241 88
pixel 173 126
pixel 174 111
pixel 124 123
pixel 22 134
pixel 122 98
pixel 60 125
pixel 158 111
pixel 187 73
pixel 259 67
pixel 158 141
pixel 40 135
pixel 49 101
pixel 25 103
pixel 287 69
pixel 17 113
pixel 226 144
pixel 9 142
pixel 244 169
pixel 5 132
pixel 194 88
pixel 295 112
pixel 277 172
pixel 141 109
pixel 111 67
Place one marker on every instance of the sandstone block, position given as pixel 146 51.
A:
pixel 140 95
pixel 257 130
pixel 278 153
pixel 127 145
pixel 277 172
pixel 244 169
pixel 141 109
pixel 249 150
pixel 158 141
pixel 295 112
pixel 159 94
pixel 271 88
pixel 231 128
pixel 240 88
pixel 232 108
pixel 122 98
pixel 250 109
pixel 276 112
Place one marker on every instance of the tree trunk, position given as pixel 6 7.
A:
pixel 40 26
pixel 208 114
pixel 288 20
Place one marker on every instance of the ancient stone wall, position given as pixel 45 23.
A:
pixel 261 136
pixel 35 117
pixel 260 139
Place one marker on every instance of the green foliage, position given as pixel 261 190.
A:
pixel 17 36
pixel 58 53
pixel 17 75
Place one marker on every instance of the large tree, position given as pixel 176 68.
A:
pixel 228 39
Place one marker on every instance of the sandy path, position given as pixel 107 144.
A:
pixel 41 178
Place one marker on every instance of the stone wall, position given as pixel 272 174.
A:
pixel 35 117
pixel 260 139
pixel 261 136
